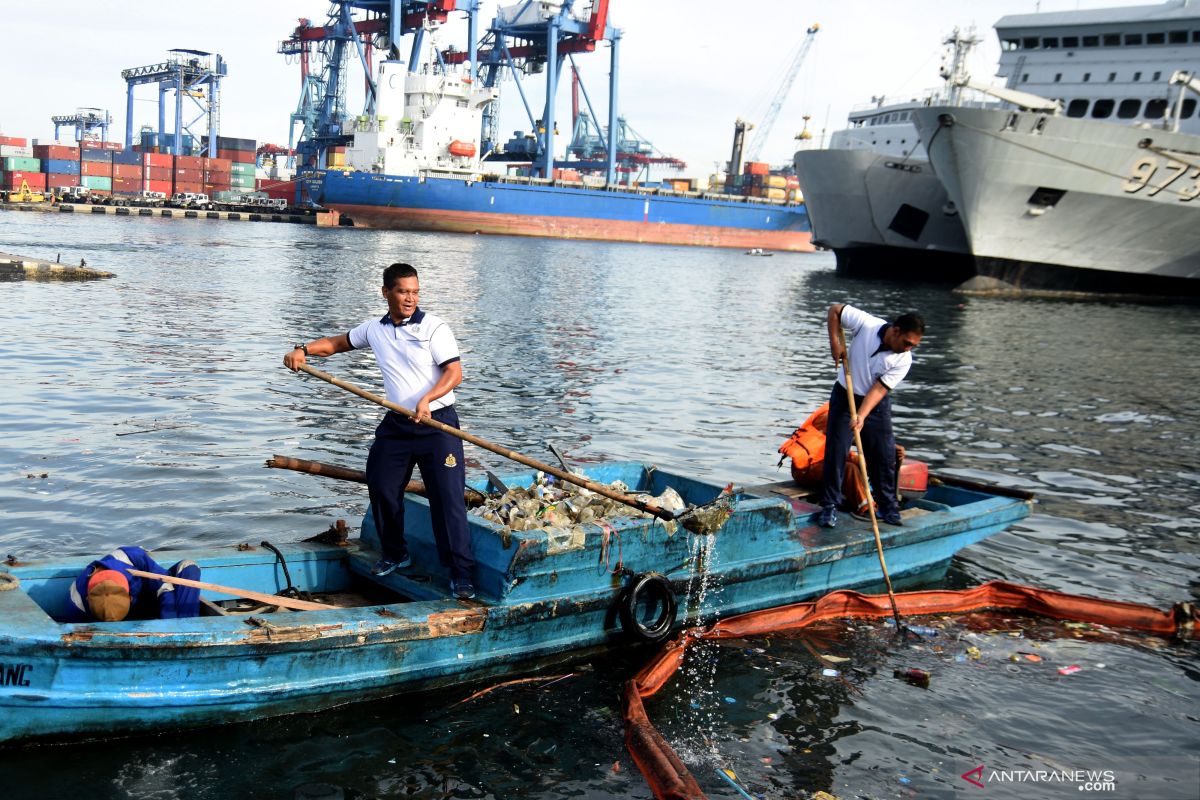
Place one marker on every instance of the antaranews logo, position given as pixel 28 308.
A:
pixel 1085 780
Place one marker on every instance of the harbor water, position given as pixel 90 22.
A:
pixel 140 409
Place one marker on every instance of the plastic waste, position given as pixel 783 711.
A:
pixel 1069 670
pixel 830 673
pixel 916 677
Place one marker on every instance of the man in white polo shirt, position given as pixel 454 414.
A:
pixel 419 359
pixel 880 356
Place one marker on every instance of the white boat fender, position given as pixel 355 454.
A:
pixel 647 608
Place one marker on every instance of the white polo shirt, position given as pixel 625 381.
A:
pixel 411 355
pixel 870 359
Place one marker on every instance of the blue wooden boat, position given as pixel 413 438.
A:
pixel 541 595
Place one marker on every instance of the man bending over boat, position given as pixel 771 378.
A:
pixel 880 356
pixel 419 359
pixel 107 592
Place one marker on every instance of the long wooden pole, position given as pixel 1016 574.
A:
pixel 272 599
pixel 862 467
pixel 598 488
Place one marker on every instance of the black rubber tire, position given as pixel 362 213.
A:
pixel 652 591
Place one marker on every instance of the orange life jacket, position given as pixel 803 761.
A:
pixel 806 448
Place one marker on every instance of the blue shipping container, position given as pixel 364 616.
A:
pixel 126 157
pixel 61 166
pixel 96 155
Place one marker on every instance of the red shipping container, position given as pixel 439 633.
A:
pixel 189 186
pixel 189 175
pixel 189 162
pixel 156 159
pixel 13 180
pixel 158 186
pixel 757 168
pixel 101 192
pixel 159 174
pixel 237 156
pixel 99 169
pixel 56 181
pixel 133 171
pixel 127 185
pixel 89 144
pixel 15 141
pixel 217 164
pixel 56 151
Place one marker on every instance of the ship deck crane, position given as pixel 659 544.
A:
pixel 781 93
pixel 324 51
pixel 635 154
pixel 535 37
pixel 189 73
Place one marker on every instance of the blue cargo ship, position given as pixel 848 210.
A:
pixel 474 202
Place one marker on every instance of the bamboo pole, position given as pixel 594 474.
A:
pixel 272 599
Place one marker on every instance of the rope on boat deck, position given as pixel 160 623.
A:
pixel 8 581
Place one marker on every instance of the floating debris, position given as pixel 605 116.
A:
pixel 916 677
pixel 1069 670
pixel 562 510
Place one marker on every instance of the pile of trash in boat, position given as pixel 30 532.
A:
pixel 556 506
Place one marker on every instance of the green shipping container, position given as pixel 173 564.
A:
pixel 241 181
pixel 238 168
pixel 22 164
pixel 93 182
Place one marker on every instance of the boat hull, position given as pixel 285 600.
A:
pixel 1053 203
pixel 542 595
pixel 563 212
pixel 883 216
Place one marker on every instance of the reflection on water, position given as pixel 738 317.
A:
pixel 150 402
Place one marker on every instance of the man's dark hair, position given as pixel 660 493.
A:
pixel 912 322
pixel 397 271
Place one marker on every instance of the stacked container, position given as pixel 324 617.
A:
pixel 95 168
pixel 60 163
pixel 158 171
pixel 189 174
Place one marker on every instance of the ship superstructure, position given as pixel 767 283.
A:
pixel 1093 192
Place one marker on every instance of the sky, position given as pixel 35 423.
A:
pixel 688 68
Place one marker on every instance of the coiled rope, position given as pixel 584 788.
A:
pixel 8 581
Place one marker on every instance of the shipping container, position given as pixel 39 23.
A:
pixel 13 180
pixel 241 181
pixel 195 187
pixel 15 141
pixel 215 164
pixel 57 180
pixel 237 156
pixel 96 182
pixel 130 171
pixel 126 185
pixel 17 151
pixel 20 164
pixel 159 160
pixel 158 186
pixel 158 174
pixel 188 162
pixel 242 168
pixel 91 144
pixel 757 168
pixel 775 182
pixel 104 156
pixel 97 169
pixel 188 176
pixel 61 166
pixel 56 151
pixel 128 157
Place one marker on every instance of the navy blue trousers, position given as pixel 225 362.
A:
pixel 879 446
pixel 400 445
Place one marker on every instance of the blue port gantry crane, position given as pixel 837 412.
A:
pixel 324 51
pixel 544 34
pixel 189 73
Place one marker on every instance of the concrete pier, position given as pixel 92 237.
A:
pixel 169 213
pixel 13 267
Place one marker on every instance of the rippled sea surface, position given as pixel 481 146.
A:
pixel 141 409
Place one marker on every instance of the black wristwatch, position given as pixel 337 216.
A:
pixel 303 347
